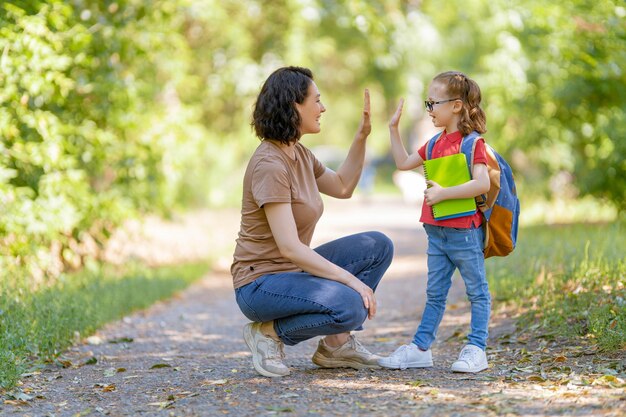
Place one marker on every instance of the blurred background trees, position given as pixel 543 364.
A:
pixel 111 109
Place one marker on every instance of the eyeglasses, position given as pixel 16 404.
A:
pixel 429 103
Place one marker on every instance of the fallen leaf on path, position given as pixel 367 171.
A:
pixel 609 381
pixel 163 404
pixel 525 369
pixel 214 382
pixel 63 363
pixel 91 361
pixel 458 334
pixel 121 340
pixel 280 409
pixel 16 402
pixel 20 396
pixel 106 387
pixel 383 339
pixel 161 365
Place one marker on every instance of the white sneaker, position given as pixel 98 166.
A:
pixel 267 353
pixel 408 356
pixel 471 359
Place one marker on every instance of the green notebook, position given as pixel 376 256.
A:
pixel 449 171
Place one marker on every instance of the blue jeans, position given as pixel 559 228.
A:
pixel 304 306
pixel 448 249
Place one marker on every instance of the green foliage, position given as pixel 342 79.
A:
pixel 109 109
pixel 571 278
pixel 39 325
pixel 90 136
pixel 576 87
pixel 553 87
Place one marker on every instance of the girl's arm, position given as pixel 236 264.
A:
pixel 479 184
pixel 341 184
pixel 403 160
pixel 285 233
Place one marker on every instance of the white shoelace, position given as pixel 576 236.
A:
pixel 275 350
pixel 469 355
pixel 402 352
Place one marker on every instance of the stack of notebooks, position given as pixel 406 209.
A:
pixel 449 171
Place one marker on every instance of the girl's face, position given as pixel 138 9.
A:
pixel 310 111
pixel 444 114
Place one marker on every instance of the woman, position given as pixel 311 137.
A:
pixel 292 292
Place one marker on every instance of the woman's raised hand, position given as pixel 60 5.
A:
pixel 395 119
pixel 365 127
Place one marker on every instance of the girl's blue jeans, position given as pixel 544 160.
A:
pixel 304 306
pixel 448 249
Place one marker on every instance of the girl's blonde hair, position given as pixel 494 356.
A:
pixel 472 115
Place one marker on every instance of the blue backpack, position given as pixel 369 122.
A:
pixel 500 206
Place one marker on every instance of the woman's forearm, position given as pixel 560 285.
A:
pixel 349 172
pixel 315 264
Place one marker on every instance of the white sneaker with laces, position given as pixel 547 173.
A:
pixel 267 353
pixel 471 359
pixel 408 356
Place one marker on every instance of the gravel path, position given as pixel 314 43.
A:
pixel 186 356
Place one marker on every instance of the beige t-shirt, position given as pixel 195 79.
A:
pixel 273 177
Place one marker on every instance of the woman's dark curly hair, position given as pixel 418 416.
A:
pixel 275 115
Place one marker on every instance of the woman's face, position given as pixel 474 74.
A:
pixel 310 111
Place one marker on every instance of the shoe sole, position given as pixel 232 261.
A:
pixel 469 371
pixel 256 358
pixel 409 365
pixel 324 362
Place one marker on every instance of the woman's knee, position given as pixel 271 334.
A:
pixel 352 313
pixel 380 244
pixel 381 239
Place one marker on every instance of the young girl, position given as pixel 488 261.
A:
pixel 453 104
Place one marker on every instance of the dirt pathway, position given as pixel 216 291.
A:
pixel 186 356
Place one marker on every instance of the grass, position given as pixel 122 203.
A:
pixel 570 279
pixel 37 326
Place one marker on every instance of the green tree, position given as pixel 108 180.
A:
pixel 577 92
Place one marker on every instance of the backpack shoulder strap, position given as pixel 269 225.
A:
pixel 431 145
pixel 468 147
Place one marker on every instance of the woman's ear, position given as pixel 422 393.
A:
pixel 298 108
